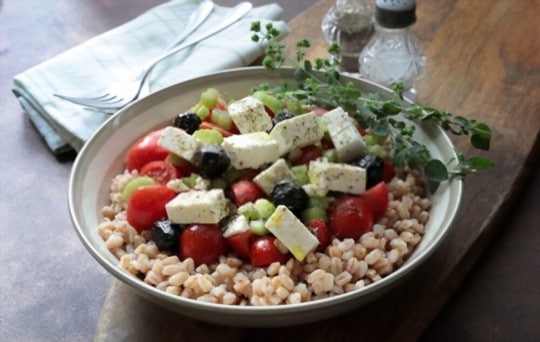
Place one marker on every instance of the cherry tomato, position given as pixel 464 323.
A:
pixel 210 125
pixel 145 150
pixel 320 230
pixel 146 205
pixel 249 174
pixel 160 170
pixel 241 243
pixel 350 217
pixel 360 130
pixel 319 111
pixel 269 111
pixel 245 191
pixel 377 198
pixel 327 143
pixel 221 104
pixel 388 170
pixel 204 243
pixel 264 252
pixel 308 153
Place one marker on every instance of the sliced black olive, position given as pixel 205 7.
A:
pixel 291 195
pixel 166 235
pixel 211 160
pixel 189 122
pixel 374 166
pixel 282 115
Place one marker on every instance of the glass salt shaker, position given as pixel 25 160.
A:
pixel 393 54
pixel 350 24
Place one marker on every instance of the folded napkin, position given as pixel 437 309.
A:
pixel 117 54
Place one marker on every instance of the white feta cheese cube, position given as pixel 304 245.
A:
pixel 198 207
pixel 237 225
pixel 299 131
pixel 249 115
pixel 251 150
pixel 337 177
pixel 288 229
pixel 179 142
pixel 268 178
pixel 347 141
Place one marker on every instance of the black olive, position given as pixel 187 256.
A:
pixel 189 122
pixel 166 235
pixel 282 115
pixel 211 161
pixel 374 166
pixel 291 195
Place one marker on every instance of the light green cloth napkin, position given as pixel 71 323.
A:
pixel 90 67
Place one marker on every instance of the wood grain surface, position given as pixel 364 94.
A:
pixel 483 66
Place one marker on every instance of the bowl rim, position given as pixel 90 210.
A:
pixel 127 278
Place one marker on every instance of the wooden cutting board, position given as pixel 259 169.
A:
pixel 481 64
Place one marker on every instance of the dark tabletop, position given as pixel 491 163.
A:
pixel 483 59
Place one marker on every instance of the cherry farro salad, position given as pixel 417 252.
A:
pixel 286 195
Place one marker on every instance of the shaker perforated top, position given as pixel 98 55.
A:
pixel 395 13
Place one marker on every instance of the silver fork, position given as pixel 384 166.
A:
pixel 122 93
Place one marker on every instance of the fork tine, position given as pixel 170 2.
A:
pixel 74 98
pixel 92 102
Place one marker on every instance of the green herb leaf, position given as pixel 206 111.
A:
pixel 387 120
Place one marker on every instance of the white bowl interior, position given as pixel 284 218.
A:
pixel 102 158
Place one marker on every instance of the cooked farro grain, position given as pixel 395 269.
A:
pixel 346 265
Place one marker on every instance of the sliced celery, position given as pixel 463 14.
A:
pixel 208 136
pixel 209 98
pixel 222 118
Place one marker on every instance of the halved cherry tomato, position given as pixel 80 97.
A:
pixel 264 252
pixel 249 174
pixel 327 143
pixel 377 198
pixel 204 243
pixel 160 170
pixel 209 125
pixel 221 104
pixel 146 205
pixel 388 170
pixel 350 217
pixel 361 130
pixel 320 230
pixel 245 191
pixel 241 243
pixel 319 111
pixel 269 111
pixel 308 153
pixel 145 150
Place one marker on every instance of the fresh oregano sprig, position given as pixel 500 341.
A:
pixel 319 83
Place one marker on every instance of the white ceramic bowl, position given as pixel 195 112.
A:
pixel 101 159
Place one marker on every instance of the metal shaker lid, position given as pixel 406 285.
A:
pixel 395 13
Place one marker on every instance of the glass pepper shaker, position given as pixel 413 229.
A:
pixel 393 54
pixel 350 24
